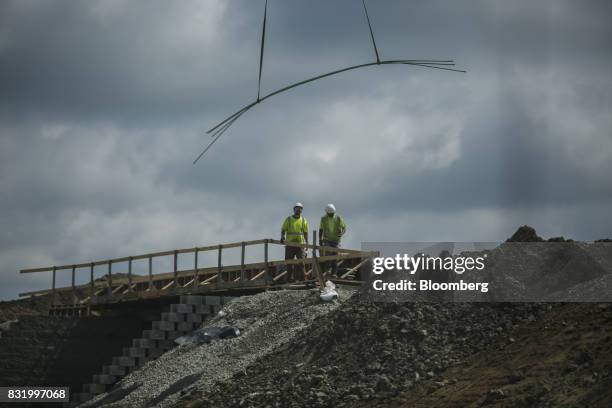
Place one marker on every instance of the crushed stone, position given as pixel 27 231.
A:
pixel 266 321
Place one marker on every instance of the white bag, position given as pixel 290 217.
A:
pixel 329 293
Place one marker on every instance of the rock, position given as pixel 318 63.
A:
pixel 493 395
pixel 525 234
pixel 515 377
pixel 6 326
pixel 441 384
pixel 365 392
pixel 316 379
pixel 384 329
pixel 589 380
pixel 383 383
pixel 572 367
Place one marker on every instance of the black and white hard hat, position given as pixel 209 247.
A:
pixel 298 204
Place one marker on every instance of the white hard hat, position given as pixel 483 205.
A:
pixel 298 204
pixel 330 208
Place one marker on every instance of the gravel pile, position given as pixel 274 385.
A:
pixel 536 271
pixel 365 351
pixel 267 321
pixel 298 352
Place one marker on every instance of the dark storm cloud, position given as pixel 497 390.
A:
pixel 87 58
pixel 103 106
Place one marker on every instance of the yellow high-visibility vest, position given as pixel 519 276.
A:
pixel 295 228
pixel 331 227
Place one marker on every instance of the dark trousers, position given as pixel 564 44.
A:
pixel 330 264
pixel 294 272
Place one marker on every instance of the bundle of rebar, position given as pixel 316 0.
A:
pixel 217 131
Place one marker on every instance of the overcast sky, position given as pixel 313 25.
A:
pixel 104 105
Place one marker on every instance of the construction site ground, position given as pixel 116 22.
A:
pixel 433 355
pixel 562 359
pixel 296 352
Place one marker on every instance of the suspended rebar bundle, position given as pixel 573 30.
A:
pixel 217 131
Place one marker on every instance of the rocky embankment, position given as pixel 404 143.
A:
pixel 267 322
pixel 561 359
pixel 295 351
pixel 366 352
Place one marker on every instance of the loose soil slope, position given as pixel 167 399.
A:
pixel 561 360
pixel 366 352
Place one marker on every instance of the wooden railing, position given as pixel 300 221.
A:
pixel 212 274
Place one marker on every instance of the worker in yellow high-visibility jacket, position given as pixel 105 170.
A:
pixel 295 230
pixel 331 230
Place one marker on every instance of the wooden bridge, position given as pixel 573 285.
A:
pixel 200 279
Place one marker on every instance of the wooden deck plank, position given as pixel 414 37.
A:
pixel 359 265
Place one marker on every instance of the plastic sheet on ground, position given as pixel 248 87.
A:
pixel 205 336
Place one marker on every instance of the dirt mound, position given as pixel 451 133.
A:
pixel 525 233
pixel 542 271
pixel 560 360
pixel 40 305
pixel 267 321
pixel 295 351
pixel 433 355
pixel 365 351
pixel 13 309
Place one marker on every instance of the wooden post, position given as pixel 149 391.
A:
pixel 266 260
pixel 195 269
pixel 315 263
pixel 72 284
pixel 314 250
pixel 91 279
pixel 130 274
pixel 110 277
pixel 219 267
pixel 242 271
pixel 175 268
pixel 53 283
pixel 150 272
